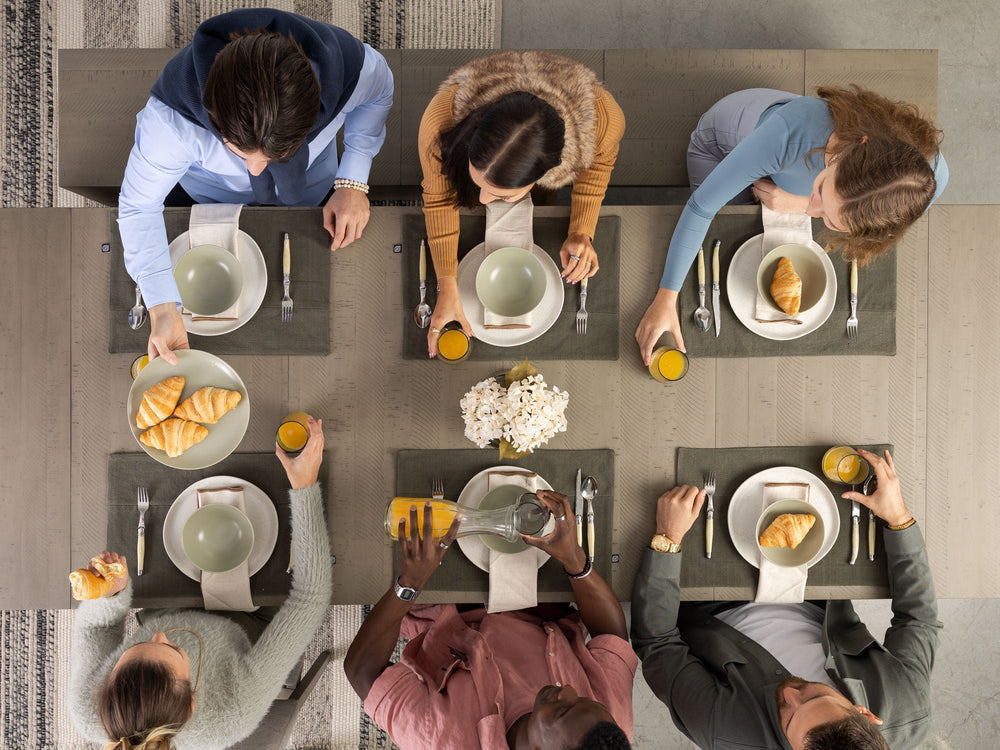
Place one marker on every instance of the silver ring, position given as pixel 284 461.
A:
pixel 442 545
pixel 561 518
pixel 589 263
pixel 435 330
pixel 575 257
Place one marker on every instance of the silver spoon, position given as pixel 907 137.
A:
pixel 588 491
pixel 702 316
pixel 422 314
pixel 137 315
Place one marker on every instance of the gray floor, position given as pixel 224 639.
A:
pixel 966 679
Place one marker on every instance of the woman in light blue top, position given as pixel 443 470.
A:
pixel 868 166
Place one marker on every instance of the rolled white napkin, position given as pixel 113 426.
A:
pixel 216 224
pixel 513 578
pixel 229 590
pixel 508 225
pixel 780 229
pixel 777 583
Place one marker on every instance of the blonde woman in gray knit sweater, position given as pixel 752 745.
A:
pixel 192 679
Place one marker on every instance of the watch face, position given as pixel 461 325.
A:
pixel 406 594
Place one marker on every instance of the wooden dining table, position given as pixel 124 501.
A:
pixel 65 397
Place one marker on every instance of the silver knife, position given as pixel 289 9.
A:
pixel 715 287
pixel 579 509
pixel 855 530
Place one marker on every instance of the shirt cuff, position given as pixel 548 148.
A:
pixel 354 166
pixel 159 287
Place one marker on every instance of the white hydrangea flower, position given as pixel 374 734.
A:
pixel 527 414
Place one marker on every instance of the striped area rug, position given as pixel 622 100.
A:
pixel 34 29
pixel 35 645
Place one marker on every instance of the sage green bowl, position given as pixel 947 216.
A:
pixel 217 537
pixel 808 265
pixel 808 548
pixel 210 279
pixel 510 282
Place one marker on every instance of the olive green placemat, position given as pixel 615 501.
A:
pixel 561 341
pixel 733 466
pixel 308 332
pixel 416 468
pixel 876 304
pixel 162 584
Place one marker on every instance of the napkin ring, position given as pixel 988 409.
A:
pixel 588 566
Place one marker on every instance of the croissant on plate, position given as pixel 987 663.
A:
pixel 786 287
pixel 158 402
pixel 86 585
pixel 787 530
pixel 174 436
pixel 207 404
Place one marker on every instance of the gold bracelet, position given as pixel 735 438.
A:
pixel 340 182
pixel 906 525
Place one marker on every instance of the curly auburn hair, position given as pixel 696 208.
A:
pixel 883 174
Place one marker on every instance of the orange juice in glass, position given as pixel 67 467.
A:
pixel 668 365
pixel 442 514
pixel 843 465
pixel 138 363
pixel 453 345
pixel 293 433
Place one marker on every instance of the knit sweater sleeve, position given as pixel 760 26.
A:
pixel 285 639
pixel 98 631
pixel 440 210
pixel 591 185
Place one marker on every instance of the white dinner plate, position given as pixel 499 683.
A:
pixel 254 284
pixel 259 509
pixel 745 507
pixel 471 496
pixel 199 369
pixel 741 288
pixel 543 317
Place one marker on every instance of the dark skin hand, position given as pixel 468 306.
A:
pixel 599 607
pixel 420 554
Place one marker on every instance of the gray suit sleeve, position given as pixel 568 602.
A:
pixel 679 679
pixel 912 636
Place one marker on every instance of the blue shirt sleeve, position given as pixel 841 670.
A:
pixel 760 154
pixel 941 175
pixel 364 124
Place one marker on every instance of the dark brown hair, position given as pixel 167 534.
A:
pixel 882 150
pixel 514 141
pixel 143 703
pixel 261 94
pixel 604 735
pixel 853 732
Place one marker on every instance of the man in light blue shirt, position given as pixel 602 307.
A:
pixel 249 113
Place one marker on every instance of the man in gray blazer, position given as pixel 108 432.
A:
pixel 738 675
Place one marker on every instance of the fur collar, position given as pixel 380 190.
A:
pixel 564 83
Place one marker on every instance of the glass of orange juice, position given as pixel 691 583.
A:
pixel 293 433
pixel 138 363
pixel 453 344
pixel 668 364
pixel 843 465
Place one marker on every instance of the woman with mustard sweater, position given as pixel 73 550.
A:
pixel 498 127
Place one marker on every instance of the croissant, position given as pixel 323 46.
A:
pixel 787 530
pixel 174 436
pixel 207 404
pixel 158 402
pixel 786 287
pixel 86 585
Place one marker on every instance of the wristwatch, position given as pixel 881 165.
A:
pixel 663 543
pixel 405 593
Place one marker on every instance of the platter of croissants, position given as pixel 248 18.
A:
pixel 191 415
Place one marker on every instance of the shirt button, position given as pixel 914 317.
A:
pixel 777 671
pixel 558 684
pixel 552 653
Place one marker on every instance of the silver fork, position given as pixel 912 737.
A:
pixel 141 543
pixel 581 315
pixel 286 269
pixel 852 322
pixel 437 488
pixel 710 515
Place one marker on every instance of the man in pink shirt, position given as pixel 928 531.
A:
pixel 519 680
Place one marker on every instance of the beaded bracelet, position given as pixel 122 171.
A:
pixel 340 182
pixel 583 573
pixel 902 526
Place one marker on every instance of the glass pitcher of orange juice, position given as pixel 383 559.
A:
pixel 525 516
